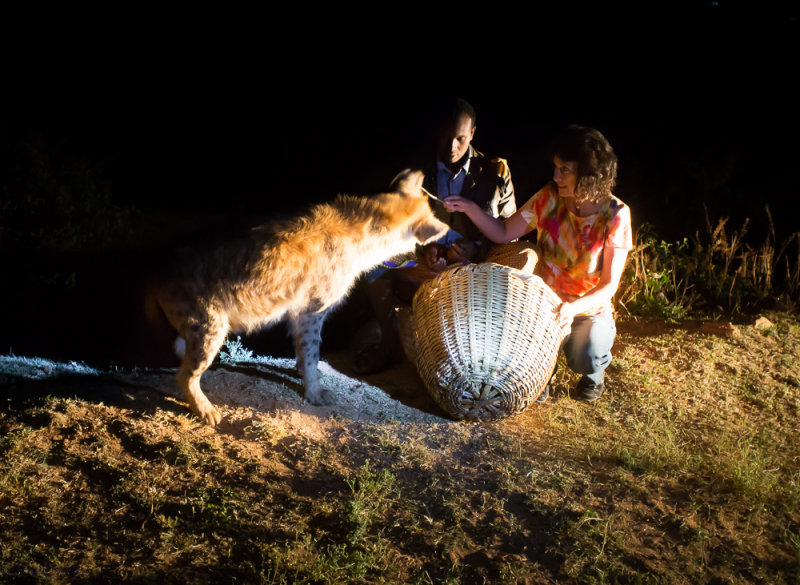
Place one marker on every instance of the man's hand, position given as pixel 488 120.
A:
pixel 434 257
pixel 463 250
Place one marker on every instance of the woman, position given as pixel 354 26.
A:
pixel 584 235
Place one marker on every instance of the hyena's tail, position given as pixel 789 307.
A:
pixel 156 319
pixel 152 309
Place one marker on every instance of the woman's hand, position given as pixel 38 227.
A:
pixel 457 203
pixel 499 230
pixel 565 314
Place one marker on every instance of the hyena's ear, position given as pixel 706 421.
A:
pixel 409 182
pixel 429 230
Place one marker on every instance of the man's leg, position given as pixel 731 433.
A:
pixel 384 300
pixel 373 359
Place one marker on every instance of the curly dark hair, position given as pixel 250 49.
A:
pixel 597 163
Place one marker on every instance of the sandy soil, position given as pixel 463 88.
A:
pixel 267 385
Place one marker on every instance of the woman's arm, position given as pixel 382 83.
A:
pixel 498 230
pixel 613 266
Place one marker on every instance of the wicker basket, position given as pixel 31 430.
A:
pixel 404 322
pixel 521 255
pixel 486 339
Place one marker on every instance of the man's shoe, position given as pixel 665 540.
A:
pixel 588 391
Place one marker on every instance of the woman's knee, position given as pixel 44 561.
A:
pixel 588 348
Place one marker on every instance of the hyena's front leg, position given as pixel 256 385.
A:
pixel 204 337
pixel 306 329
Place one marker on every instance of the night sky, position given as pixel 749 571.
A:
pixel 698 103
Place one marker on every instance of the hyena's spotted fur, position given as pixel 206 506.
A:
pixel 298 272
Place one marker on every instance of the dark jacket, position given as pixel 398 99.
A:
pixel 488 183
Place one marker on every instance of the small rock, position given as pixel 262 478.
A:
pixel 723 328
pixel 762 324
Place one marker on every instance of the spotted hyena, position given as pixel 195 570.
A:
pixel 298 272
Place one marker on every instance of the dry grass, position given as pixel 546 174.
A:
pixel 687 471
pixel 715 271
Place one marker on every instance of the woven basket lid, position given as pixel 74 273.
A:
pixel 486 339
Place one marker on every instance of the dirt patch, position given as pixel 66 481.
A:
pixel 684 472
pixel 269 386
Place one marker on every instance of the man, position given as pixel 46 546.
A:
pixel 459 169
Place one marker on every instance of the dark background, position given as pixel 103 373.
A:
pixel 254 117
pixel 700 102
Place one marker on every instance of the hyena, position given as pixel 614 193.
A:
pixel 296 272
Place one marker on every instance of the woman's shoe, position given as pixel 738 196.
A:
pixel 546 392
pixel 544 395
pixel 588 391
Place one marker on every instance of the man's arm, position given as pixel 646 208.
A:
pixel 503 204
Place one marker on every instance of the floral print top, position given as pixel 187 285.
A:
pixel 571 247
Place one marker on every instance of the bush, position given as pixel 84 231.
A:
pixel 717 271
pixel 54 199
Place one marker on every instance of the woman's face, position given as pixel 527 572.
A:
pixel 565 176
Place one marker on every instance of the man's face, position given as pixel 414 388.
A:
pixel 455 139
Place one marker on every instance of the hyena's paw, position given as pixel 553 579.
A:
pixel 322 397
pixel 206 411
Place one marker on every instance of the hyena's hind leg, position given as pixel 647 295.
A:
pixel 306 330
pixel 204 337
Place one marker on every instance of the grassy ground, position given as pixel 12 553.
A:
pixel 686 471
